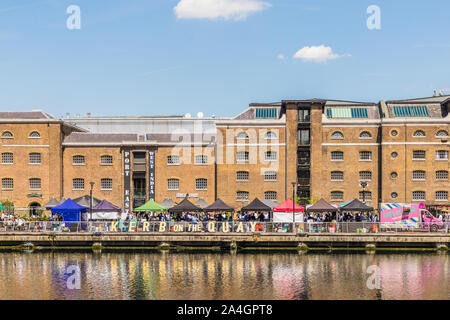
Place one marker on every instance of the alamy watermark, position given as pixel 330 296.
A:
pixel 73 22
pixel 374 20
pixel 74 279
pixel 374 280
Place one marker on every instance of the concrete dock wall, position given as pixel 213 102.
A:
pixel 226 240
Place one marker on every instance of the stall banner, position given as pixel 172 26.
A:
pixel 126 180
pixel 151 178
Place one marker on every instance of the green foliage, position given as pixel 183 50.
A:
pixel 7 206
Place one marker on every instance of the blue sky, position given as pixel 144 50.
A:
pixel 139 57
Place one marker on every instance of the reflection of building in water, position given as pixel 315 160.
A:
pixel 223 276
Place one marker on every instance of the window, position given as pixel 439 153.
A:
pixel 411 111
pixel 106 184
pixel 242 156
pixel 303 115
pixel 270 176
pixel 337 135
pixel 242 196
pixel 303 137
pixel 365 175
pixel 34 135
pixel 346 112
pixel 394 155
pixel 419 134
pixel 242 176
pixel 78 160
pixel 7 135
pixel 173 184
pixel 418 175
pixel 266 113
pixel 34 158
pixel 242 136
pixel 441 195
pixel 394 133
pixel 78 184
pixel 201 184
pixel 442 134
pixel 418 155
pixel 106 160
pixel 365 156
pixel 173 160
pixel 7 184
pixel 7 158
pixel 337 156
pixel 35 184
pixel 337 196
pixel 418 196
pixel 201 159
pixel 337 176
pixel 442 155
pixel 270 195
pixel 270 156
pixel 270 135
pixel 367 196
pixel 394 175
pixel 394 195
pixel 365 135
pixel 442 175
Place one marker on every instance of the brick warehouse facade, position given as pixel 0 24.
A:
pixel 327 147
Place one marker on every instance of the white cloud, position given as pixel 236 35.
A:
pixel 280 56
pixel 317 54
pixel 218 9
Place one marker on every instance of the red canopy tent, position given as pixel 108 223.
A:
pixel 287 207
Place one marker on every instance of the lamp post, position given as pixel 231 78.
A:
pixel 364 185
pixel 294 184
pixel 90 200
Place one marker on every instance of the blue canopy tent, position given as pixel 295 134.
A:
pixel 70 211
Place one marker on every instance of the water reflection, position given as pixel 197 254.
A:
pixel 223 276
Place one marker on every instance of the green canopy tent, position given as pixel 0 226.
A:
pixel 150 206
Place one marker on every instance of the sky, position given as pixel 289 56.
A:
pixel 171 57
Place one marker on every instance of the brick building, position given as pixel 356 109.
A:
pixel 399 149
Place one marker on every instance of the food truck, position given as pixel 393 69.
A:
pixel 408 216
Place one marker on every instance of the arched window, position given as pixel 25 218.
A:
pixel 442 134
pixel 173 184
pixel 337 196
pixel 34 158
pixel 419 175
pixel 7 158
pixel 34 135
pixel 242 196
pixel 441 195
pixel 270 176
pixel 442 175
pixel 106 160
pixel 365 135
pixel 270 195
pixel 270 135
pixel 106 184
pixel 242 156
pixel 337 156
pixel 418 196
pixel 337 135
pixel 35 184
pixel 78 160
pixel 173 160
pixel 78 184
pixel 242 136
pixel 201 159
pixel 201 184
pixel 419 134
pixel 7 135
pixel 242 176
pixel 337 176
pixel 7 183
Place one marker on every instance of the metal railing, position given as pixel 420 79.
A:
pixel 216 226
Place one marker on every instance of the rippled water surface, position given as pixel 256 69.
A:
pixel 168 275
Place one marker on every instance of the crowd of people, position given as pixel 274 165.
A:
pixel 200 217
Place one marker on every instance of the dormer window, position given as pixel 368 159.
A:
pixel 242 136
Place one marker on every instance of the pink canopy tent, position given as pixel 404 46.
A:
pixel 287 207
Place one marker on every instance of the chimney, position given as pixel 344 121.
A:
pixel 88 114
